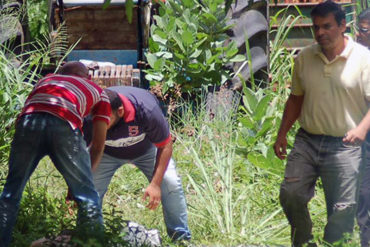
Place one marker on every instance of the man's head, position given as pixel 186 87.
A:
pixel 329 24
pixel 363 28
pixel 74 68
pixel 116 106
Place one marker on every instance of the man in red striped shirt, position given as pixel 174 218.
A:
pixel 51 124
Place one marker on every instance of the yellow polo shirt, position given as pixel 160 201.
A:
pixel 336 93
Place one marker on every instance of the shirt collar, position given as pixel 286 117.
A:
pixel 129 109
pixel 345 53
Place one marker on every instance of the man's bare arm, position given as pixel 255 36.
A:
pixel 154 189
pixel 97 142
pixel 292 111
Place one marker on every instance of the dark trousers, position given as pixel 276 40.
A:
pixel 338 165
pixel 41 134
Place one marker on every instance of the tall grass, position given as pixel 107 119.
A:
pixel 15 84
pixel 282 59
pixel 234 203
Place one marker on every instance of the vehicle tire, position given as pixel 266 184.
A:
pixel 248 18
pixel 249 21
pixel 11 30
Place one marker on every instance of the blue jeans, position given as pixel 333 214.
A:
pixel 338 165
pixel 173 199
pixel 41 134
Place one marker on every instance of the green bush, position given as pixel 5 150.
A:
pixel 37 11
pixel 187 47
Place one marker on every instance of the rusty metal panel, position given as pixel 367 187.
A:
pixel 101 29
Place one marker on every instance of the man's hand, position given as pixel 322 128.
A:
pixel 355 136
pixel 280 146
pixel 154 193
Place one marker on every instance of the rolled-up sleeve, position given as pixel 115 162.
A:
pixel 157 128
pixel 102 109
pixel 297 88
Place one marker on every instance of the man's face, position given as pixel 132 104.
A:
pixel 363 33
pixel 328 33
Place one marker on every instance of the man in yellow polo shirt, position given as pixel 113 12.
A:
pixel 363 210
pixel 329 97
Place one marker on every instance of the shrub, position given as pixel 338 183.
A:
pixel 187 47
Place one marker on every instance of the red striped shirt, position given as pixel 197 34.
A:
pixel 70 98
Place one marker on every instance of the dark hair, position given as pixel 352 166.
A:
pixel 327 7
pixel 74 68
pixel 115 100
pixel 365 15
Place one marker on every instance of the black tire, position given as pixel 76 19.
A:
pixel 249 18
pixel 12 34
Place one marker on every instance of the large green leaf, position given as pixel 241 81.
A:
pixel 161 34
pixel 178 40
pixel 151 59
pixel 188 3
pixel 164 54
pixel 209 18
pixel 187 38
pixel 250 99
pixel 196 53
pixel 171 26
pixel 238 58
pixel 231 52
pixel 247 122
pixel 277 163
pixel 266 126
pixel 106 4
pixel 200 42
pixel 153 46
pixel 159 39
pixel 262 107
pixel 179 55
pixel 129 6
pixel 154 76
pixel 159 21
pixel 158 65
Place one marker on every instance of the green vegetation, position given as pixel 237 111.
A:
pixel 230 175
pixel 15 79
pixel 37 18
pixel 187 47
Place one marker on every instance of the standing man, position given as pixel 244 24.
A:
pixel 140 135
pixel 329 96
pixel 363 28
pixel 363 211
pixel 50 124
